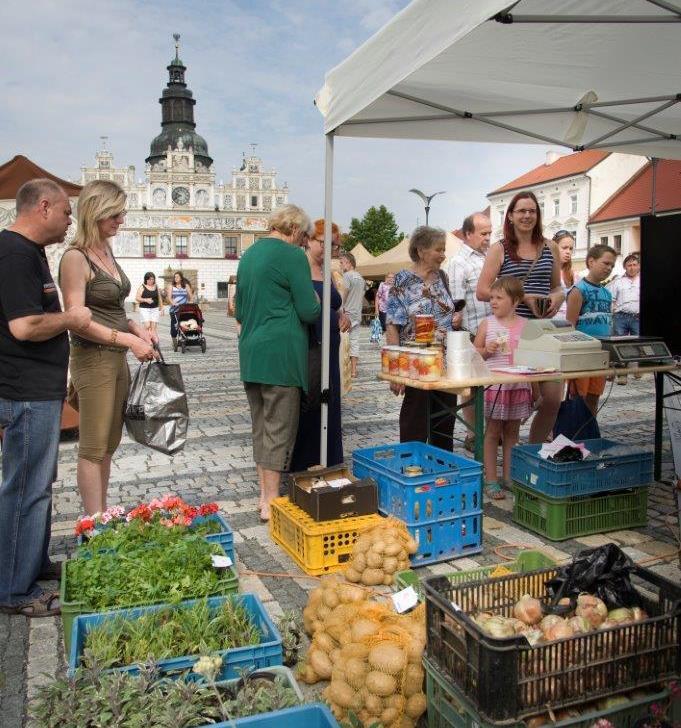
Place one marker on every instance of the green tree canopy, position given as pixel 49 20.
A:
pixel 377 231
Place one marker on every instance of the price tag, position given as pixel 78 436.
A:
pixel 221 562
pixel 405 599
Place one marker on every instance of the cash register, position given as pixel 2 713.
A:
pixel 556 344
pixel 641 350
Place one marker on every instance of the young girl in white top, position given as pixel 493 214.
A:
pixel 506 405
pixel 566 247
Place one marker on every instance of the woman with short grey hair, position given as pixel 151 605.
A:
pixel 422 289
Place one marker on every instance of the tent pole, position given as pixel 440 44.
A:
pixel 326 300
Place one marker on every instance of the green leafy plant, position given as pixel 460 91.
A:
pixel 171 632
pixel 93 699
pixel 151 573
pixel 291 629
pixel 352 721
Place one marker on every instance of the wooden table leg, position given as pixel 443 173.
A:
pixel 479 396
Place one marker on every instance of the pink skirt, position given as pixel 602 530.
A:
pixel 508 402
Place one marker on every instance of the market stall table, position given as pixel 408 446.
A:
pixel 476 385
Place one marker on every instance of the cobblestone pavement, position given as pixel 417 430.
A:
pixel 217 465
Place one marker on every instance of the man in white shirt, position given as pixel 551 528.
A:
pixel 352 304
pixel 626 293
pixel 464 271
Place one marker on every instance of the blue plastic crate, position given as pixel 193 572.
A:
pixel 315 715
pixel 446 539
pixel 450 486
pixel 268 652
pixel 611 466
pixel 225 537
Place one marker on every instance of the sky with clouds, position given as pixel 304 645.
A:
pixel 75 70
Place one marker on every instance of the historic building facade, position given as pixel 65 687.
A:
pixel 178 217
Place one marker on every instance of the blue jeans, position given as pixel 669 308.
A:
pixel 29 467
pixel 625 324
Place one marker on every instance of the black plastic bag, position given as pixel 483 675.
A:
pixel 568 454
pixel 603 572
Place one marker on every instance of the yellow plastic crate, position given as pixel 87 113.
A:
pixel 318 548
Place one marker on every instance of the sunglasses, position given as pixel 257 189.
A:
pixel 459 305
pixel 562 233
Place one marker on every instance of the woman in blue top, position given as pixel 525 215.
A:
pixel 178 292
pixel 524 253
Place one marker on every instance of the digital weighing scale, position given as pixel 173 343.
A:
pixel 625 350
pixel 556 344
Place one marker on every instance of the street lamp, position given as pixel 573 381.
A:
pixel 426 199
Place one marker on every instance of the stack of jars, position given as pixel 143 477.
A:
pixel 424 364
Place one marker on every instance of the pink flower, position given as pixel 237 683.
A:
pixel 106 517
pixel 156 504
pixel 117 511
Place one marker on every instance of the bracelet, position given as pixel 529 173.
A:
pixel 114 336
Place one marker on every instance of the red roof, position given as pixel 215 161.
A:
pixel 567 166
pixel 634 198
pixel 20 169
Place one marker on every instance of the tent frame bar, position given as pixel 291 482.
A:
pixel 506 17
pixel 326 298
pixel 586 107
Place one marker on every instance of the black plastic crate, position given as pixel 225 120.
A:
pixel 507 679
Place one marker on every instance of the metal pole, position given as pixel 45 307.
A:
pixel 427 211
pixel 653 162
pixel 326 298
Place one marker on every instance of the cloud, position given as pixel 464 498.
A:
pixel 84 69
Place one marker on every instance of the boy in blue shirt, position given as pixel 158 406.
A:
pixel 589 309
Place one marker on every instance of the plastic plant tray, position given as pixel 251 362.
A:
pixel 70 609
pixel 611 466
pixel 314 715
pixel 560 518
pixel 507 680
pixel 529 560
pixel 317 547
pixel 450 485
pixel 267 653
pixel 449 708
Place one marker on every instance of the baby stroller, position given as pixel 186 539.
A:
pixel 189 323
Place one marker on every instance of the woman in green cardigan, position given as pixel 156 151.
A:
pixel 275 302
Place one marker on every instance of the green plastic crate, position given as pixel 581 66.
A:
pixel 448 708
pixel 529 560
pixel 560 518
pixel 71 609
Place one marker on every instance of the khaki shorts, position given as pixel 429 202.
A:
pixel 274 414
pixel 354 340
pixel 101 380
pixel 589 385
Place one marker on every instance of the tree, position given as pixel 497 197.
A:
pixel 377 231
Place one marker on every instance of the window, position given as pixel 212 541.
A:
pixel 254 183
pixel 241 183
pixel 181 246
pixel 254 200
pixel 573 204
pixel 223 289
pixel 556 208
pixel 541 208
pixel 500 211
pixel 604 240
pixel 149 246
pixel 231 242
pixel 267 183
pixel 267 202
pixel 241 202
pixel 228 202
pixel 617 243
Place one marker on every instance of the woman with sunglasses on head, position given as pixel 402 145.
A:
pixel 422 289
pixel 566 247
pixel 306 450
pixel 525 253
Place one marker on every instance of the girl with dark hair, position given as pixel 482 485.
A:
pixel 149 300
pixel 177 292
pixel 524 253
pixel 566 247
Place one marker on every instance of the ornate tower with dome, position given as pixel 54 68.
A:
pixel 178 217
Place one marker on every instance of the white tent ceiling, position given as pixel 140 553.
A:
pixel 494 71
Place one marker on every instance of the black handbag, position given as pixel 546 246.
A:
pixel 575 419
pixel 312 399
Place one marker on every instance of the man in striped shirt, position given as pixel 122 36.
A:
pixel 464 271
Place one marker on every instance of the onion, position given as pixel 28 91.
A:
pixel 548 621
pixel 621 615
pixel 527 609
pixel 638 614
pixel 580 625
pixel 592 608
pixel 518 625
pixel 498 627
pixel 533 635
pixel 558 631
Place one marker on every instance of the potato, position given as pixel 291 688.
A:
pixel 356 672
pixel 374 560
pixel 349 594
pixel 323 612
pixel 413 680
pixel 330 598
pixel 352 575
pixel 307 674
pixel 390 564
pixel 415 649
pixel 320 662
pixel 334 655
pixel 388 658
pixel 337 674
pixel 359 563
pixel 378 547
pixel 315 597
pixel 416 706
pixel 412 546
pixel 362 628
pixel 341 694
pixel 396 701
pixel 372 577
pixel 404 722
pixel 389 716
pixel 373 704
pixel 392 548
pixel 381 684
pixel 355 649
pixel 324 642
pixel 362 544
pixel 388 579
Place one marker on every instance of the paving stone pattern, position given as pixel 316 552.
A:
pixel 217 465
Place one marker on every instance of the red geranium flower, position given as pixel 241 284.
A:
pixel 208 509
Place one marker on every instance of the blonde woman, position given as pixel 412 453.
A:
pixel 275 303
pixel 90 276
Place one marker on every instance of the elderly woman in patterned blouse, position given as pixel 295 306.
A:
pixel 422 289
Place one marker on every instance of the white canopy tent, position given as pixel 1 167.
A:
pixel 583 74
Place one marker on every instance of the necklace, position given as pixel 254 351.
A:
pixel 106 267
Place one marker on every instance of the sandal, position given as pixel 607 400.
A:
pixel 494 491
pixel 42 606
pixel 469 443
